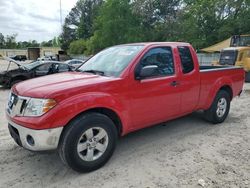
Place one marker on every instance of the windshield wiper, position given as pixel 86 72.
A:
pixel 95 72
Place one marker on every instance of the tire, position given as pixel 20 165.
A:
pixel 218 112
pixel 15 82
pixel 94 154
pixel 247 76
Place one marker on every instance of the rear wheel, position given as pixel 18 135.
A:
pixel 219 109
pixel 88 142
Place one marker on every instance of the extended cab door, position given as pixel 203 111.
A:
pixel 155 98
pixel 189 79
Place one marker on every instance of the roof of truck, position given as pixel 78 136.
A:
pixel 158 43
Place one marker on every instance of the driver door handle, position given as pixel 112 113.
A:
pixel 174 83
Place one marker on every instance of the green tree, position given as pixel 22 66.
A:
pixel 157 17
pixel 115 24
pixel 55 42
pixel 77 47
pixel 2 41
pixel 79 23
pixel 10 41
pixel 47 43
pixel 205 22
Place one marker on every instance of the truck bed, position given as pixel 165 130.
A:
pixel 212 76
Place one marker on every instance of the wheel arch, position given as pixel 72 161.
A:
pixel 105 111
pixel 228 89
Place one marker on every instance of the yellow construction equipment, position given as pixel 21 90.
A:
pixel 238 54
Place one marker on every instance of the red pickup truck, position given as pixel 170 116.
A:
pixel 119 90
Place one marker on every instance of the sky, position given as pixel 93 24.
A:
pixel 33 19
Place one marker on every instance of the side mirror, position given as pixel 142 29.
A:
pixel 147 71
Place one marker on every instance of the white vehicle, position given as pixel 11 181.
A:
pixel 44 58
pixel 74 62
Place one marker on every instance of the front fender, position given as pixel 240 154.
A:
pixel 75 105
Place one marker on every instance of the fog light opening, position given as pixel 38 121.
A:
pixel 30 140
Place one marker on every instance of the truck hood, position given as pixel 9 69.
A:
pixel 54 86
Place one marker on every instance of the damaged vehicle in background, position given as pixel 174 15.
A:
pixel 19 57
pixel 27 71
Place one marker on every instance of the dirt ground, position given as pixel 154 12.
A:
pixel 181 154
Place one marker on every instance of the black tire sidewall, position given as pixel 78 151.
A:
pixel 77 128
pixel 221 94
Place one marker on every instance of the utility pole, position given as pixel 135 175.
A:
pixel 61 13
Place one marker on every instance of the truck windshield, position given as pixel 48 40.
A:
pixel 111 61
pixel 228 57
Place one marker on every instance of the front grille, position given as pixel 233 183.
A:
pixel 16 104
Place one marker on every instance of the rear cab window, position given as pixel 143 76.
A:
pixel 187 62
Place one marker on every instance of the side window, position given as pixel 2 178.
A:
pixel 63 68
pixel 44 67
pixel 186 59
pixel 160 56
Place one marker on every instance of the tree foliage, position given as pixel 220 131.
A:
pixel 77 47
pixel 9 42
pixel 115 25
pixel 79 22
pixel 206 22
pixel 200 22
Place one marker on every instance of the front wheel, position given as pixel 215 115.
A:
pixel 219 109
pixel 88 142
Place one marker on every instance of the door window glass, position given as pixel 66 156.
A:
pixel 63 68
pixel 161 57
pixel 186 59
pixel 44 67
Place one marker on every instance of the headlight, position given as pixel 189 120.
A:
pixel 38 107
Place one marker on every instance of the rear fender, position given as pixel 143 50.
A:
pixel 221 82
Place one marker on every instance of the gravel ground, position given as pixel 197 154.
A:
pixel 184 153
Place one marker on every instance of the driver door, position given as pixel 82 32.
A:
pixel 156 98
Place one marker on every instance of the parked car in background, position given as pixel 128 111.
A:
pixel 74 62
pixel 44 58
pixel 10 77
pixel 19 57
pixel 119 90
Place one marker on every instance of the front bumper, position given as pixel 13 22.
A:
pixel 35 140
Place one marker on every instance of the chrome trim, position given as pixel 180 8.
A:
pixel 221 68
pixel 17 109
pixel 46 139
